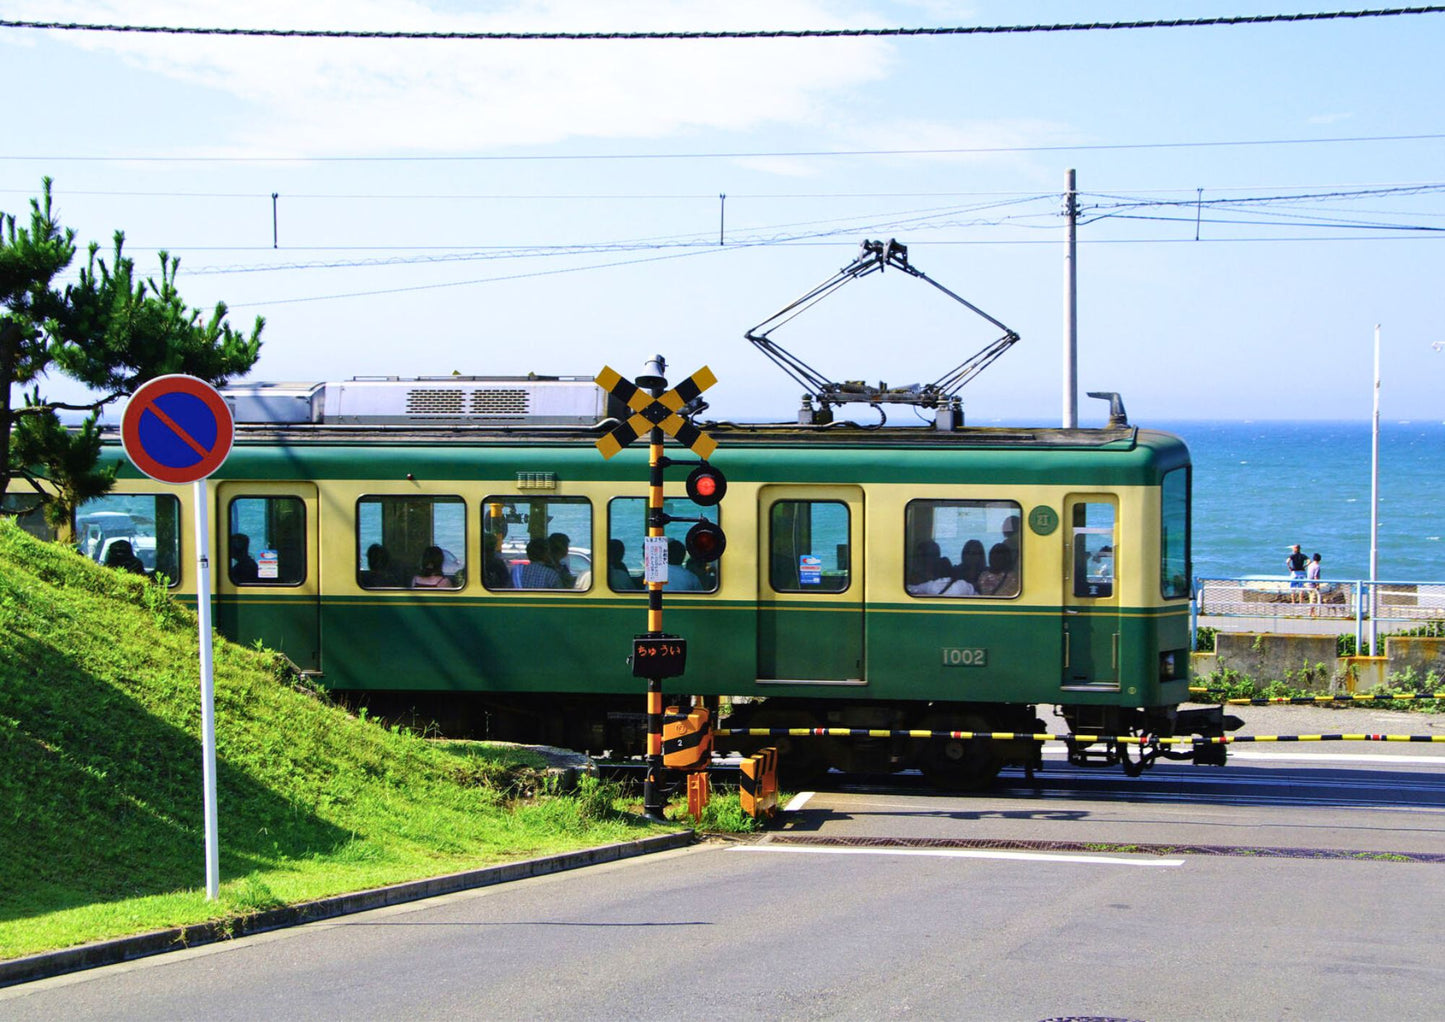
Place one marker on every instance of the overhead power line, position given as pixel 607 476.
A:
pixel 709 250
pixel 802 33
pixel 1255 211
pixel 1280 207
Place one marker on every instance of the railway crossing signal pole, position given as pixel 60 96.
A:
pixel 654 801
pixel 656 655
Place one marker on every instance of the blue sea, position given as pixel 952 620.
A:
pixel 1261 486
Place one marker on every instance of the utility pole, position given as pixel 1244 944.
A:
pixel 1071 307
pixel 1375 495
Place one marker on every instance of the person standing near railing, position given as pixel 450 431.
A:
pixel 1295 563
pixel 1312 573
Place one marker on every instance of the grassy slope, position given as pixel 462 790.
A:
pixel 100 772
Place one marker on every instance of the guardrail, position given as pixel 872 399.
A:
pixel 1286 604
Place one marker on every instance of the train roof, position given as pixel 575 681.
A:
pixel 378 428
pixel 565 410
pixel 836 434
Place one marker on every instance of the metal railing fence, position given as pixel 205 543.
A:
pixel 1282 604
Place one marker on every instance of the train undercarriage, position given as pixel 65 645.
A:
pixel 616 726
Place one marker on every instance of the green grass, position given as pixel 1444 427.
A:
pixel 723 813
pixel 1227 683
pixel 101 818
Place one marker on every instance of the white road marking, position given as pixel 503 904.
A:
pixel 1339 757
pixel 963 853
pixel 798 801
pixel 1322 757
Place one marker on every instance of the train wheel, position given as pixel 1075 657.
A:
pixel 959 764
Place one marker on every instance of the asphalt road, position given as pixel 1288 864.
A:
pixel 1307 889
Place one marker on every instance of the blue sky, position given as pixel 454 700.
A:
pixel 506 207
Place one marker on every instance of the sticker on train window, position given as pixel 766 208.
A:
pixel 808 546
pixel 269 527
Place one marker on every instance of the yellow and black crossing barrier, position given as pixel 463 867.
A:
pixel 699 791
pixel 686 739
pixel 687 748
pixel 758 786
pixel 1010 736
pixel 1386 697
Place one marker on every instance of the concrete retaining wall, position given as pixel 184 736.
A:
pixel 1308 662
pixel 1423 654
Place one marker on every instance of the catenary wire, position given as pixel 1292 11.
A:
pixel 803 33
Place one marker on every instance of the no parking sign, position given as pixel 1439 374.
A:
pixel 177 429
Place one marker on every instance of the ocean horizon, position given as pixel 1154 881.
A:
pixel 1262 485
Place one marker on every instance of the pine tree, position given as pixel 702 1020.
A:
pixel 110 331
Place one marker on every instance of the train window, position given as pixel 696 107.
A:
pixel 1174 535
pixel 411 542
pixel 626 528
pixel 963 548
pixel 809 546
pixel 1093 549
pixel 133 531
pixel 537 543
pixel 266 542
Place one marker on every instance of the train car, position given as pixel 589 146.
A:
pixel 457 549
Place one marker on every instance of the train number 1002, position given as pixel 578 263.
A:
pixel 965 656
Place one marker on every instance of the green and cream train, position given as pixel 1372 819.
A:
pixel 457 549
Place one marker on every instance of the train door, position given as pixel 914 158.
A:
pixel 1091 599
pixel 268 582
pixel 810 589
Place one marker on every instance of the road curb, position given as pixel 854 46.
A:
pixel 124 949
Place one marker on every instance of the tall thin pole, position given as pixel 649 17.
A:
pixel 654 797
pixel 1071 307
pixel 208 692
pixel 1375 494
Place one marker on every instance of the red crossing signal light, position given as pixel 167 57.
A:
pixel 706 485
pixel 706 542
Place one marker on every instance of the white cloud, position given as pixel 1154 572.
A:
pixel 307 96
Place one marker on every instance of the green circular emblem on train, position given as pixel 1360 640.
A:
pixel 1043 520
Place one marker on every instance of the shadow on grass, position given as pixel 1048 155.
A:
pixel 101 800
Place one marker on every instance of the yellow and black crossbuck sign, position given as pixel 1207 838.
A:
pixel 664 412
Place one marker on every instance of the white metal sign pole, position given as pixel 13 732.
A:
pixel 208 690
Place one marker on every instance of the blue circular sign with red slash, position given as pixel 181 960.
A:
pixel 176 429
